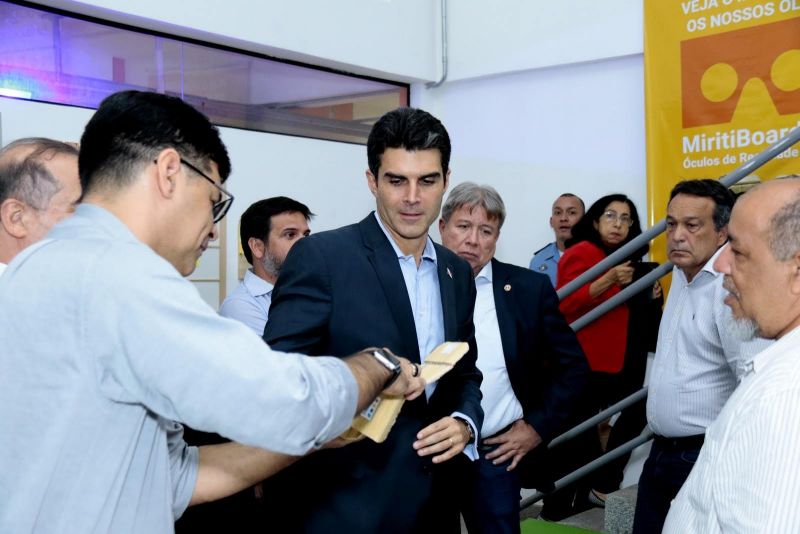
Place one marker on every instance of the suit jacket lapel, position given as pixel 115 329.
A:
pixel 445 271
pixel 383 259
pixel 505 314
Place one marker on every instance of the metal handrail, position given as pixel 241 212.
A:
pixel 600 417
pixel 615 258
pixel 592 466
pixel 645 282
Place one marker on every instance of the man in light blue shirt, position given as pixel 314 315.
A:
pixel 267 230
pixel 383 282
pixel 567 210
pixel 107 347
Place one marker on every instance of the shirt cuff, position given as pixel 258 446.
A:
pixel 343 399
pixel 471 450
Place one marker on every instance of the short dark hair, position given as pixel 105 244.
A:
pixel 257 219
pixel 722 197
pixel 408 128
pixel 572 195
pixel 27 179
pixel 131 127
pixel 584 229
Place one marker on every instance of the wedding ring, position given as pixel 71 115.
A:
pixel 451 441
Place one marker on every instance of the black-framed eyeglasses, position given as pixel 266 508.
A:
pixel 220 207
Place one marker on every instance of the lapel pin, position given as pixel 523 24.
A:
pixel 449 272
pixel 507 287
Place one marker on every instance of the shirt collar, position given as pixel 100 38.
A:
pixel 780 346
pixel 428 254
pixel 106 220
pixel 485 273
pixel 256 285
pixel 707 268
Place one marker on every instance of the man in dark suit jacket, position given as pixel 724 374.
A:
pixel 533 368
pixel 383 282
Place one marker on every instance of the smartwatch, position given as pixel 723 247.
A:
pixel 390 362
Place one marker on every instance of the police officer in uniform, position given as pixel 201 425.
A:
pixel 567 210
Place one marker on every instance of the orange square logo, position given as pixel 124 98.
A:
pixel 715 69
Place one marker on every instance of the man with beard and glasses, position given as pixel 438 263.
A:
pixel 745 479
pixel 268 229
pixel 698 359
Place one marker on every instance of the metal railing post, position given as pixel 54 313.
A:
pixel 597 419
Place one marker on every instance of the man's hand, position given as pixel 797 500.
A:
pixel 447 436
pixel 408 384
pixel 515 443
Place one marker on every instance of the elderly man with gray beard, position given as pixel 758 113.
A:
pixel 745 479
pixel 698 361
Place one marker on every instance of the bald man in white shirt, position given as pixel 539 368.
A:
pixel 39 186
pixel 745 479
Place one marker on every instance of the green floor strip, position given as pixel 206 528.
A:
pixel 534 526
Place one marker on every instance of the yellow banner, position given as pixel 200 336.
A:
pixel 722 83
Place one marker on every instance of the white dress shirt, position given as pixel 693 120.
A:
pixel 697 362
pixel 500 405
pixel 2 268
pixel 745 479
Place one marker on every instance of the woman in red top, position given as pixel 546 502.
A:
pixel 609 224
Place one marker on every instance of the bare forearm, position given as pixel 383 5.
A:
pixel 230 467
pixel 370 377
pixel 599 286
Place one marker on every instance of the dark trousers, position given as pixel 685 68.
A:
pixel 490 503
pixel 629 424
pixel 663 474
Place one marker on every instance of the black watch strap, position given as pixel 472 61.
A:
pixel 390 362
pixel 471 438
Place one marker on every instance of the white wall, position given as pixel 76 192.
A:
pixel 536 134
pixel 395 38
pixel 502 36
